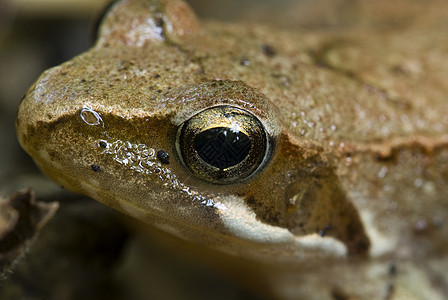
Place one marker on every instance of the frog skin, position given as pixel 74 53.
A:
pixel 350 197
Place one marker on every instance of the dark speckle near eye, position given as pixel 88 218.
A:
pixel 96 168
pixel 268 50
pixel 324 231
pixel 163 156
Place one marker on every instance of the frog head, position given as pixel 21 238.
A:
pixel 150 122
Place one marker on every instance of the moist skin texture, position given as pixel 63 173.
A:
pixel 352 200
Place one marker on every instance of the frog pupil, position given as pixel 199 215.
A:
pixel 222 147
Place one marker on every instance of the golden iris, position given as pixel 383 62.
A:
pixel 222 144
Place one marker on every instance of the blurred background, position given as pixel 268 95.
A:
pixel 80 254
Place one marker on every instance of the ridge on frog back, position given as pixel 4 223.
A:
pixel 256 143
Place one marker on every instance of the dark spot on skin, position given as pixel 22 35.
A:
pixel 268 50
pixel 385 158
pixel 250 201
pixel 360 248
pixel 338 294
pixel 163 156
pixel 401 103
pixel 96 168
pixel 159 22
pixel 321 64
pixel 102 144
pixel 324 231
pixel 244 62
pixel 392 269
pixel 399 70
pixel 156 76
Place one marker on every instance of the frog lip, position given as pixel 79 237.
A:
pixel 243 223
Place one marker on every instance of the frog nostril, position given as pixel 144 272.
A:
pixel 222 144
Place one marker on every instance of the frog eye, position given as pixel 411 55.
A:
pixel 222 144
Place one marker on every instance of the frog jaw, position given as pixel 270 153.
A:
pixel 243 224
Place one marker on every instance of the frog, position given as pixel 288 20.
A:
pixel 317 162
